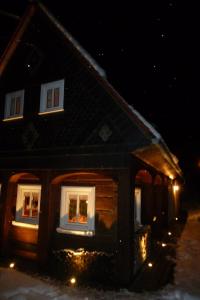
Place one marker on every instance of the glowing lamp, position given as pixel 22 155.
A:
pixel 176 219
pixel 169 233
pixel 164 245
pixel 12 265
pixel 176 188
pixel 154 219
pixel 73 280
pixel 150 264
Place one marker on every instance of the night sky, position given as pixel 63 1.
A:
pixel 149 50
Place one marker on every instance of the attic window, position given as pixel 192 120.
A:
pixel 14 104
pixel 52 97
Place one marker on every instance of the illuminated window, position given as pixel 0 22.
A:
pixel 137 206
pixel 14 103
pixel 28 204
pixel 77 210
pixel 52 97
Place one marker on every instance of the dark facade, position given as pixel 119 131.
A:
pixel 85 138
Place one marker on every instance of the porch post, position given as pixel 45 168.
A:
pixel 44 221
pixel 6 211
pixel 125 259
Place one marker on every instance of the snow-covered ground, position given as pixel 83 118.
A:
pixel 15 285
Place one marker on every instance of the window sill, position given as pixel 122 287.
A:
pixel 75 232
pixel 12 118
pixel 50 111
pixel 26 225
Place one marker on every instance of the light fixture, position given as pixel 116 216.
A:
pixel 11 265
pixel 169 233
pixel 176 219
pixel 150 264
pixel 176 188
pixel 72 280
pixel 154 219
pixel 164 245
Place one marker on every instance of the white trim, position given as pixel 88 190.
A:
pixel 21 189
pixel 43 96
pixel 50 112
pixel 75 232
pixel 26 225
pixel 79 228
pixel 8 98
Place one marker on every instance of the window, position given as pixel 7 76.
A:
pixel 137 207
pixel 14 103
pixel 28 204
pixel 77 210
pixel 52 97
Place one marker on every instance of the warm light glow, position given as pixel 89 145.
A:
pixel 171 177
pixel 164 245
pixel 143 240
pixel 154 218
pixel 73 280
pixel 150 264
pixel 50 111
pixel 12 118
pixel 169 233
pixel 176 219
pixel 176 188
pixel 12 265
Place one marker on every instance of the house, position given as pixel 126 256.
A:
pixel 79 167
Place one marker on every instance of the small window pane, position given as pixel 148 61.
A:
pixel 12 106
pixel 35 201
pixel 17 105
pixel 49 98
pixel 26 206
pixel 83 206
pixel 56 97
pixel 72 208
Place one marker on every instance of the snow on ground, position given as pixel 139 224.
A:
pixel 15 285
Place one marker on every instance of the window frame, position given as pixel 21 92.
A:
pixel 8 102
pixel 76 227
pixel 25 220
pixel 45 87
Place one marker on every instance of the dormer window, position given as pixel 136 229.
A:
pixel 52 97
pixel 14 105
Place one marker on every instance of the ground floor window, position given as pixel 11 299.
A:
pixel 137 206
pixel 28 204
pixel 77 212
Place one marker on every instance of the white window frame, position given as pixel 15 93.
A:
pixel 77 228
pixel 19 219
pixel 137 206
pixel 43 97
pixel 8 99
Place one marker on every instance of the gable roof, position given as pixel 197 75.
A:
pixel 156 147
